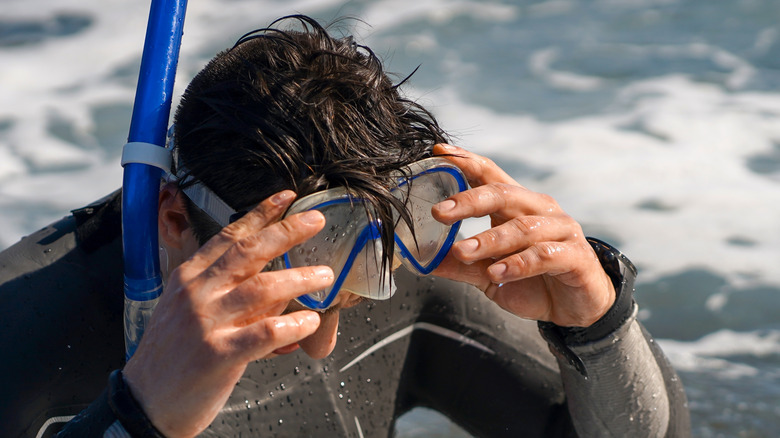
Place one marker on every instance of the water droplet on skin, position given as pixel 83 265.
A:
pixel 281 421
pixel 341 384
pixel 296 371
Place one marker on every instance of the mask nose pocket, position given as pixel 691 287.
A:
pixel 365 276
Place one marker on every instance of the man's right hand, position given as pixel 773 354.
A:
pixel 219 312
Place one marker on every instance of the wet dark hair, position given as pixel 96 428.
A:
pixel 299 109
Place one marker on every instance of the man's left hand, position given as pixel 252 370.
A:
pixel 534 261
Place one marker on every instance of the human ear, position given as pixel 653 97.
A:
pixel 172 220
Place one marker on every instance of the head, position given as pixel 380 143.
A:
pixel 292 107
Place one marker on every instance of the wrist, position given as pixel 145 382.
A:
pixel 127 409
pixel 622 274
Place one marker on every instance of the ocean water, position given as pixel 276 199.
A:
pixel 655 123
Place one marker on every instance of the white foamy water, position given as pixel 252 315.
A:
pixel 656 124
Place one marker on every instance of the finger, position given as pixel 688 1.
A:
pixel 268 334
pixel 268 211
pixel 503 201
pixel 516 235
pixel 527 299
pixel 474 274
pixel 265 290
pixel 561 259
pixel 479 170
pixel 249 255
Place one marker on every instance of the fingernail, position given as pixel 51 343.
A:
pixel 324 272
pixel 468 246
pixel 311 217
pixel 281 197
pixel 497 270
pixel 312 317
pixel 447 205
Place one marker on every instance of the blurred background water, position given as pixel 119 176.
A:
pixel 655 123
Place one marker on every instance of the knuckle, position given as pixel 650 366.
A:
pixel 496 189
pixel 286 230
pixel 492 237
pixel 536 256
pixel 487 162
pixel 261 282
pixel 548 203
pixel 527 259
pixel 505 188
pixel 220 351
pixel 503 194
pixel 576 233
pixel 525 224
pixel 262 213
pixel 473 167
pixel 469 196
pixel 181 275
pixel 548 250
pixel 233 232
pixel 571 229
pixel 268 331
pixel 543 250
pixel 248 248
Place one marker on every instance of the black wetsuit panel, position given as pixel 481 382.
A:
pixel 61 316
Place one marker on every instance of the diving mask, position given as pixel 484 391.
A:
pixel 350 242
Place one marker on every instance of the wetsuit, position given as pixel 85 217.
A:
pixel 436 343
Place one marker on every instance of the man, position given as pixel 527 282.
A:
pixel 285 114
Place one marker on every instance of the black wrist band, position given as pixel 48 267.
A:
pixel 127 409
pixel 622 273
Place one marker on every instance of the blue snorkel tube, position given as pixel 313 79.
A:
pixel 144 159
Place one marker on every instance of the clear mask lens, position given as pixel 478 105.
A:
pixel 333 245
pixel 420 249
